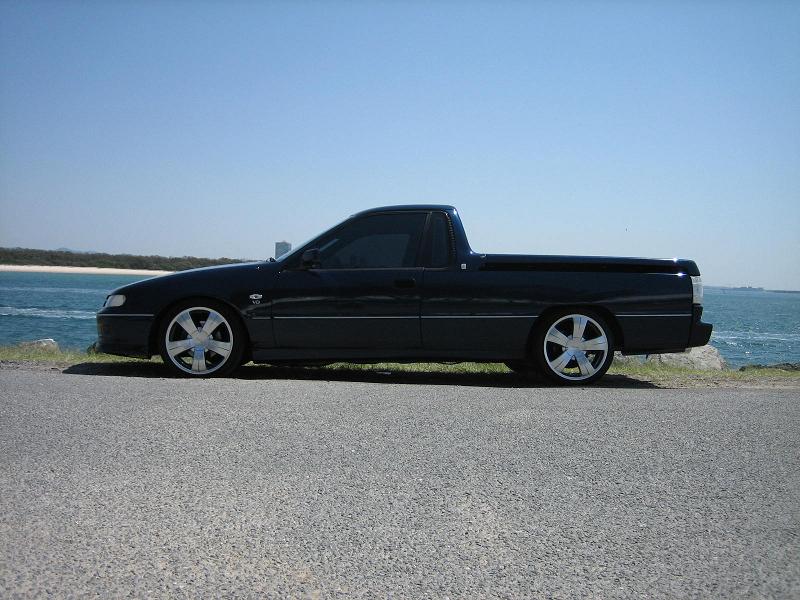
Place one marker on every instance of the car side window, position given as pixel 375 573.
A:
pixel 374 242
pixel 439 241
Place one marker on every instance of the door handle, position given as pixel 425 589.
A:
pixel 405 283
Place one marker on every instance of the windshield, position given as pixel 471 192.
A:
pixel 299 249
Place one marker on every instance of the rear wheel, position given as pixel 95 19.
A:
pixel 201 339
pixel 574 347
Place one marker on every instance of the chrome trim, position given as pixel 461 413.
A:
pixel 125 315
pixel 662 315
pixel 412 317
pixel 345 317
pixel 479 316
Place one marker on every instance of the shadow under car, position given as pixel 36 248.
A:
pixel 376 375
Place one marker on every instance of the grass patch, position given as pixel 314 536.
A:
pixel 655 370
pixel 56 357
pixel 470 368
pixel 655 373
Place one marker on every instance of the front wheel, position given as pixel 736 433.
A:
pixel 201 339
pixel 574 347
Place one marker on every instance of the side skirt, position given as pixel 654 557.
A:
pixel 348 354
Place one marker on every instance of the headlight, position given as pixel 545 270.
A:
pixel 697 289
pixel 114 300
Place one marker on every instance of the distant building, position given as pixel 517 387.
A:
pixel 282 248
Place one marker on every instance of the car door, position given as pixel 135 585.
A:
pixel 364 293
pixel 468 311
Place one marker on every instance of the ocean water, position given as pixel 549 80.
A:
pixel 754 327
pixel 61 306
pixel 750 326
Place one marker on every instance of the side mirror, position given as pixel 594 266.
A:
pixel 310 258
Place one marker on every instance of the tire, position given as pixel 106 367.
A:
pixel 201 338
pixel 573 347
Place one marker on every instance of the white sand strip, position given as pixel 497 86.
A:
pixel 78 270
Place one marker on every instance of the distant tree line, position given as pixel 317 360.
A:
pixel 63 258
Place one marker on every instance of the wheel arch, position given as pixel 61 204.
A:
pixel 159 318
pixel 605 313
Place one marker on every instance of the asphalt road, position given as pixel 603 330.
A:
pixel 142 486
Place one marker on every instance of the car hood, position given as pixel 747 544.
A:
pixel 204 274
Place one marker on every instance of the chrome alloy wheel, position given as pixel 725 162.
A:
pixel 198 340
pixel 575 347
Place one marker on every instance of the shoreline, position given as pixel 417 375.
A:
pixel 78 270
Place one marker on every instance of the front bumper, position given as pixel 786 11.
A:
pixel 700 332
pixel 124 334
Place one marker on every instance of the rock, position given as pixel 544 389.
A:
pixel 44 344
pixel 705 358
pixel 621 359
pixel 787 366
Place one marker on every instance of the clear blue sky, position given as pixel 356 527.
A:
pixel 628 128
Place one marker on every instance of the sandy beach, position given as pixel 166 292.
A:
pixel 78 270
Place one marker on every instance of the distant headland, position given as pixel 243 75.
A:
pixel 30 259
pixel 748 288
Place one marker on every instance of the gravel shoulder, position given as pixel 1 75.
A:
pixel 265 487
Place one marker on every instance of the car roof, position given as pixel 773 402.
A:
pixel 406 207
